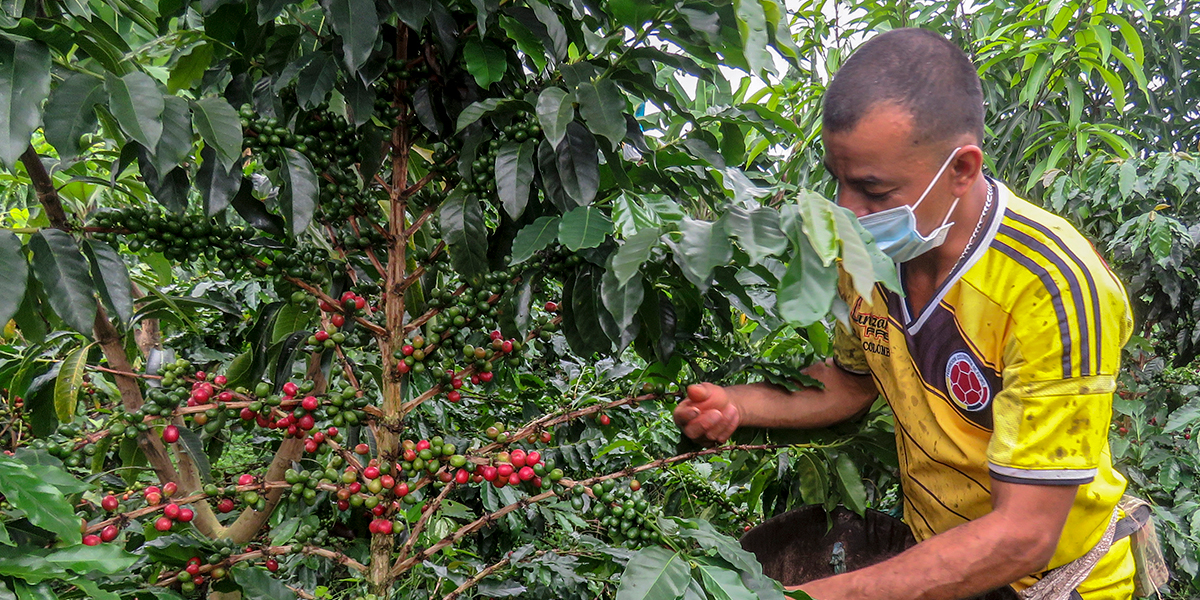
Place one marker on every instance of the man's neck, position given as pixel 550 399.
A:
pixel 926 272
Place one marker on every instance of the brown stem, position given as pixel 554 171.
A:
pixel 44 186
pixel 430 508
pixel 337 557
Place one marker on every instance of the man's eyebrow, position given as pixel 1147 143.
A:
pixel 868 180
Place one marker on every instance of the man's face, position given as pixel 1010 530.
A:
pixel 879 166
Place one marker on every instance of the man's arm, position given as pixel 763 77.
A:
pixel 711 413
pixel 1014 540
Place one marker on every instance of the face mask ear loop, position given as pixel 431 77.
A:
pixel 936 177
pixel 948 213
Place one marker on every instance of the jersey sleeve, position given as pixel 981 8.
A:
pixel 1052 415
pixel 848 353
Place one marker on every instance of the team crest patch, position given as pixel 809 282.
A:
pixel 965 382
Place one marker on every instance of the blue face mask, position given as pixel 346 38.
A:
pixel 895 229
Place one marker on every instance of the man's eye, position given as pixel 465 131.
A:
pixel 876 196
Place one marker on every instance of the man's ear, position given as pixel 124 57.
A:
pixel 965 168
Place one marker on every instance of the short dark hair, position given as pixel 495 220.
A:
pixel 918 70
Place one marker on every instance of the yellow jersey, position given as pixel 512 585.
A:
pixel 1007 374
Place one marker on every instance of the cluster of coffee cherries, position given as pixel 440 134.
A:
pixel 190 577
pixel 225 495
pixel 483 169
pixel 178 237
pixel 623 514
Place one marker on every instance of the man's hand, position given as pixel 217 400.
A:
pixel 707 415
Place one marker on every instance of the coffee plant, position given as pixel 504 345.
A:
pixel 360 299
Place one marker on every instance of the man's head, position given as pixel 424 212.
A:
pixel 893 114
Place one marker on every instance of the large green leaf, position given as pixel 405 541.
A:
pixel 807 289
pixel 258 584
pixel 556 33
pixel 583 312
pixel 220 126
pixel 466 235
pixel 218 184
pixel 298 198
pixel 752 24
pixel 63 272
pixel 702 247
pixel 654 574
pixel 850 482
pixel 137 104
pixel 757 231
pixel 622 299
pixel 602 105
pixel 552 187
pixel 316 80
pixel 43 504
pixel 66 387
pixel 16 270
pixel 514 174
pixel 534 237
pixel 111 277
pixel 358 25
pixel 476 110
pixel 584 227
pixel 526 41
pixel 175 143
pixel 190 68
pixel 723 584
pixel 24 85
pixel 71 112
pixel 105 558
pixel 555 110
pixel 289 319
pixel 27 591
pixel 856 260
pixel 485 61
pixel 578 164
pixel 628 258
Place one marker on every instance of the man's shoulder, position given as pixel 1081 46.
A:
pixel 1043 250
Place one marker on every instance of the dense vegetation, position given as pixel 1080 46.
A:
pixel 355 297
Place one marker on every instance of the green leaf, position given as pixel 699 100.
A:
pixel 71 112
pixel 412 12
pixel 358 25
pixel 514 174
pixel 257 584
pixel 654 574
pixel 584 227
pixel 582 310
pixel 807 289
pixel 850 482
pixel 628 258
pixel 702 247
pixel 175 144
pixel 5 539
pixel 43 504
pixel 465 233
pixel 1184 416
pixel 485 61
pixel 218 184
pixel 298 198
pixel 24 85
pixel 105 558
pixel 757 232
pixel 555 110
pixel 316 80
pixel 526 41
pixel 111 277
pixel 220 126
pixel 817 222
pixel 26 591
pixel 557 34
pixel 856 261
pixel 63 272
pixel 534 237
pixel 724 584
pixel 66 387
pixel 476 110
pixel 632 13
pixel 136 103
pixel 622 299
pixel 752 24
pixel 16 271
pixel 578 164
pixel 191 443
pixel 1127 177
pixel 814 483
pixel 190 68
pixel 290 318
pixel 602 107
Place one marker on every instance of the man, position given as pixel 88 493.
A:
pixel 999 361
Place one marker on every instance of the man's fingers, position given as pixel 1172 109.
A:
pixel 698 427
pixel 729 424
pixel 685 412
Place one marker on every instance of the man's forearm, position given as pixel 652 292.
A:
pixel 845 396
pixel 970 559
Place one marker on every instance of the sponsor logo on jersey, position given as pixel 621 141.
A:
pixel 872 329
